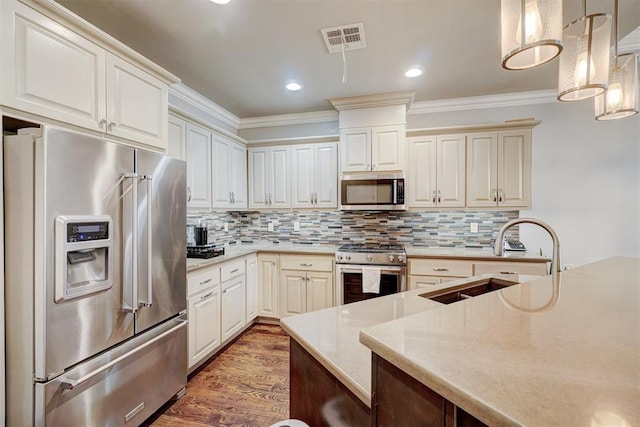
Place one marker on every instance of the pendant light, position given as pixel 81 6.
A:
pixel 621 98
pixel 531 32
pixel 584 63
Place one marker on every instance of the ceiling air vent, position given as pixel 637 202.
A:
pixel 351 36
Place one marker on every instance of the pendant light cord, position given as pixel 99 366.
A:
pixel 344 61
pixel 615 31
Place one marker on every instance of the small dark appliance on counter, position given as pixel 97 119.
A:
pixel 204 251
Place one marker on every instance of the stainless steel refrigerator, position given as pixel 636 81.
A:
pixel 95 280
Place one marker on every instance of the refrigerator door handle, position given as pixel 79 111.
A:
pixel 70 384
pixel 132 305
pixel 149 302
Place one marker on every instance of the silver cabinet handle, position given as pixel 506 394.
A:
pixel 132 305
pixel 235 270
pixel 508 272
pixel 495 195
pixel 188 194
pixel 368 166
pixel 70 384
pixel 438 196
pixel 306 264
pixel 149 302
pixel 500 195
pixel 440 269
pixel 230 197
pixel 102 123
pixel 205 296
pixel 434 196
pixel 233 196
pixel 204 282
pixel 111 125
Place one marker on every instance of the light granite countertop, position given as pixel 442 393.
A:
pixel 560 350
pixel 331 335
pixel 240 250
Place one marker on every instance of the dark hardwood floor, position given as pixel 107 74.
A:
pixel 247 384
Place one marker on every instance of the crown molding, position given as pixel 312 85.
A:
pixel 190 96
pixel 480 102
pixel 289 119
pixel 375 100
pixel 631 43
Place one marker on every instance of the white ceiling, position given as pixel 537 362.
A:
pixel 241 55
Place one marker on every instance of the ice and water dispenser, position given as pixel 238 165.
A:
pixel 83 255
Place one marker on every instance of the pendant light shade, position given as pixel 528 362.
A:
pixel 584 63
pixel 531 32
pixel 621 98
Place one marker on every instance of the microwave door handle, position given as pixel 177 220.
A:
pixel 394 201
pixel 149 301
pixel 131 305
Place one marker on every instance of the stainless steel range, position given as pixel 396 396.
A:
pixel 370 270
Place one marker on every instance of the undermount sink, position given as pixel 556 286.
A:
pixel 467 290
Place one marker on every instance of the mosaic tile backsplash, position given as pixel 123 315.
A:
pixel 443 229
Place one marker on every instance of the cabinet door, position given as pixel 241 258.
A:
pixel 514 168
pixel 137 104
pixel 233 306
pixel 50 70
pixel 326 175
pixel 176 138
pixel 204 324
pixel 421 188
pixel 450 171
pixel 258 178
pixel 268 286
pixel 252 288
pixel 482 163
pixel 221 172
pixel 388 148
pixel 302 176
pixel 238 161
pixel 319 290
pixel 355 150
pixel 198 147
pixel 279 178
pixel 293 292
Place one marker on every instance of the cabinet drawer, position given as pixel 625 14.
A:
pixel 202 279
pixel 306 263
pixel 440 267
pixel 232 269
pixel 533 268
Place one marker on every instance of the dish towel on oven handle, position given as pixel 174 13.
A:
pixel 371 280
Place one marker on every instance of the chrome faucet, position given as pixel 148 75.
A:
pixel 498 248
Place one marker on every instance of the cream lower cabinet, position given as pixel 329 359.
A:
pixel 268 276
pixel 55 72
pixel 306 283
pixel 232 276
pixel 204 305
pixel 426 272
pixel 251 265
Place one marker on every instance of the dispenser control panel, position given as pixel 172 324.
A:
pixel 87 231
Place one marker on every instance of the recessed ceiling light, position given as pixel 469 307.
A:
pixel 293 86
pixel 414 71
pixel 221 1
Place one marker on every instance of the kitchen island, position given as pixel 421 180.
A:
pixel 557 350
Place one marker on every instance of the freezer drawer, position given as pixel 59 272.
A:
pixel 144 373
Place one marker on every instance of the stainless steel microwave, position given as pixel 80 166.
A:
pixel 372 192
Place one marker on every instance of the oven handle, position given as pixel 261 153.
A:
pixel 358 269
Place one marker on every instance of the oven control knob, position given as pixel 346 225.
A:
pixel 391 258
pixel 370 258
pixel 400 258
pixel 339 257
pixel 348 257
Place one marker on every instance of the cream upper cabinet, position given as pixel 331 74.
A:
pixel 436 171
pixel 176 138
pixel 379 148
pixel 314 175
pixel 499 169
pixel 54 72
pixel 269 179
pixel 198 155
pixel 229 174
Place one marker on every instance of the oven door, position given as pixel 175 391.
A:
pixel 349 280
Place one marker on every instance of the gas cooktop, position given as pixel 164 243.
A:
pixel 372 254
